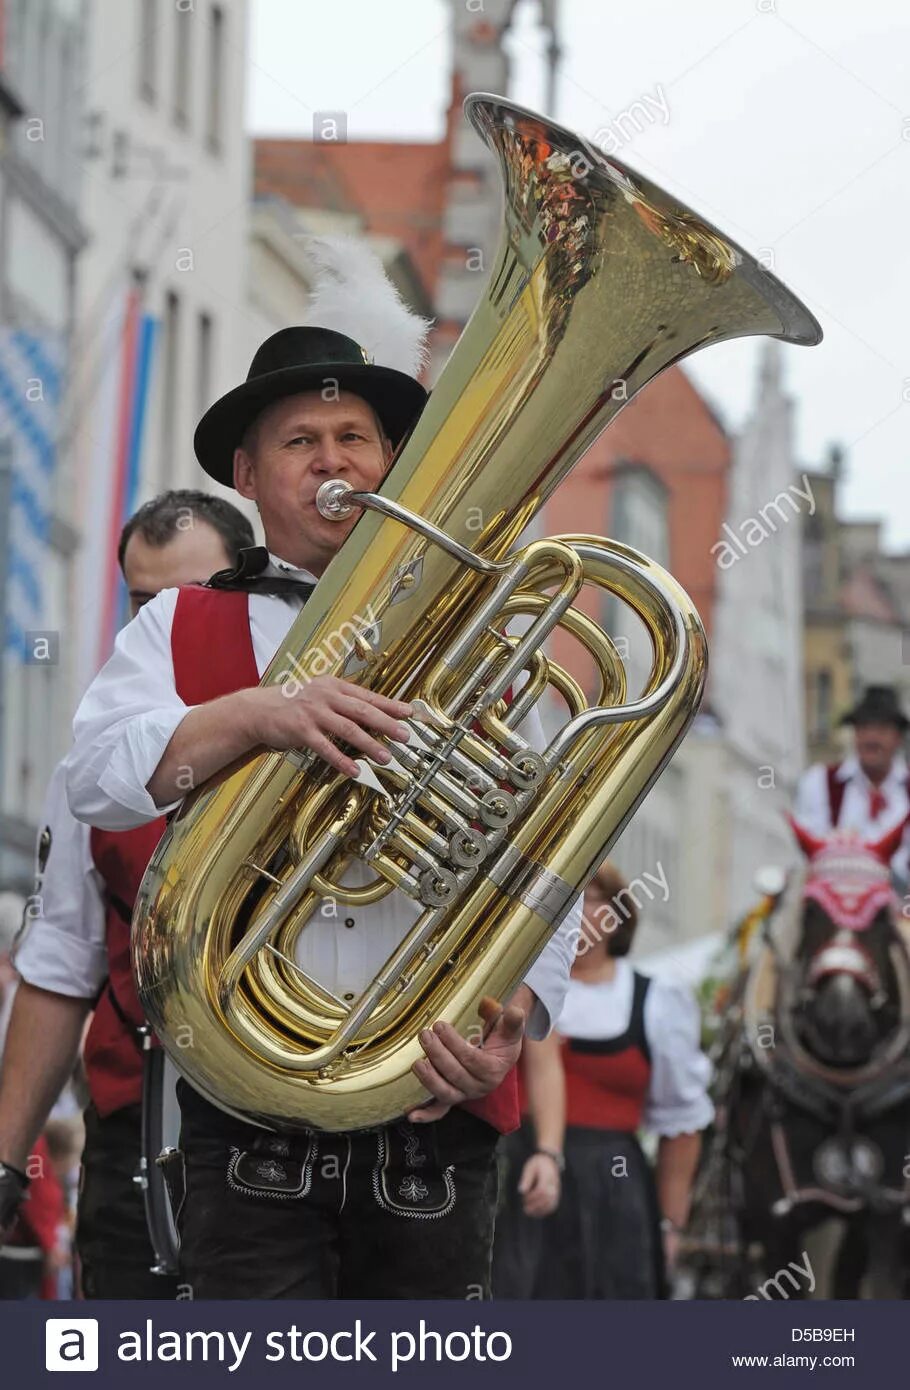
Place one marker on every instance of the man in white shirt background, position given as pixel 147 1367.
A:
pixel 69 963
pixel 261 1216
pixel 869 791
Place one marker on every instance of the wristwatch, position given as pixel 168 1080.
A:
pixel 13 1187
pixel 558 1158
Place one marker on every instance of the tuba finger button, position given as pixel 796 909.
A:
pixel 437 887
pixel 498 808
pixel 467 848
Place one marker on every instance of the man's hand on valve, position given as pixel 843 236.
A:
pixel 455 1070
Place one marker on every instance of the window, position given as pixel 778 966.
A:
pixel 37 270
pixel 203 364
pixel 639 512
pixel 638 517
pixel 169 387
pixel 148 50
pixel 184 23
pixel 215 79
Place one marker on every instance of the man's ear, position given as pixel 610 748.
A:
pixel 244 474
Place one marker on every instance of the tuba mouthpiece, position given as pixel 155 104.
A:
pixel 330 500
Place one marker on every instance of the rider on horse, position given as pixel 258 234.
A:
pixel 813 1060
pixel 869 791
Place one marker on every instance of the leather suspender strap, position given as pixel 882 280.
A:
pixel 124 913
pixel 124 1018
pixel 640 986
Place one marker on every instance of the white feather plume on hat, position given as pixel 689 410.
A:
pixel 353 295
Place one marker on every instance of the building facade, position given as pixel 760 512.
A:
pixel 756 681
pixel 42 74
pixel 857 615
pixel 162 307
pixel 449 222
pixel 827 658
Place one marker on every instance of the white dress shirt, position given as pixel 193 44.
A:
pixel 677 1101
pixel 63 946
pixel 813 808
pixel 125 722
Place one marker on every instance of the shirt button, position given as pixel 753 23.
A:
pixel 349 921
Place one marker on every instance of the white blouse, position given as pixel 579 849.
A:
pixel 677 1101
pixel 62 946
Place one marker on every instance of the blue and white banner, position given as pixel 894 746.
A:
pixel 31 388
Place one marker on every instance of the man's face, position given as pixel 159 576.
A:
pixel 876 747
pixel 297 444
pixel 190 558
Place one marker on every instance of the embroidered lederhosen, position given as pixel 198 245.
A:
pixel 407 1177
pixel 269 1168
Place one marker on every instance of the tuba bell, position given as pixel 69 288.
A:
pixel 600 281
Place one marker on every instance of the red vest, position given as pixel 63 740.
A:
pixel 213 656
pixel 836 791
pixel 112 1052
pixel 216 624
pixel 607 1079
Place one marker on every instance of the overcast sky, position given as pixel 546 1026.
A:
pixel 786 122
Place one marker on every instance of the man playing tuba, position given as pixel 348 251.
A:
pixel 306 1214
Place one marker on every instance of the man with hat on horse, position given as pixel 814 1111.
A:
pixel 869 791
pixel 309 1215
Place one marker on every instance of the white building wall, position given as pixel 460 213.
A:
pixel 166 206
pixel 44 69
pixel 647 852
pixel 756 682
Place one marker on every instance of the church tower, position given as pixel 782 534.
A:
pixel 472 216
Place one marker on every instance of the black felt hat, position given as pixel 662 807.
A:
pixel 304 359
pixel 878 705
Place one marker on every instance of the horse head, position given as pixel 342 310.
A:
pixel 847 998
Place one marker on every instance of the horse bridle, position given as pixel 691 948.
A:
pixel 790 977
pixel 844 955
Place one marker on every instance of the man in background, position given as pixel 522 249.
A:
pixel 73 955
pixel 869 791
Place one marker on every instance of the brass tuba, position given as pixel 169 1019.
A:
pixel 601 280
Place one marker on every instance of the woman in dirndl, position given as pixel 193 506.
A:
pixel 630 1054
